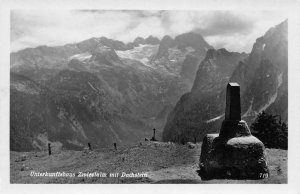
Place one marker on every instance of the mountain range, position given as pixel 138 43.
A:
pixel 99 90
pixel 104 91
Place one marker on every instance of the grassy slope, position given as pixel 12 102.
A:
pixel 163 162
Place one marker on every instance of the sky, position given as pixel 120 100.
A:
pixel 233 30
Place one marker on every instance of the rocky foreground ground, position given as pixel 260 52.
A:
pixel 156 162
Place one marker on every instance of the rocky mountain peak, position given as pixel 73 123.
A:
pixel 194 40
pixel 271 46
pixel 152 40
pixel 105 55
pixel 165 43
pixel 210 54
pixel 223 51
pixel 187 42
pixel 216 68
pixel 139 40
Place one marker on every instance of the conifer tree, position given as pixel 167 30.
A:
pixel 270 130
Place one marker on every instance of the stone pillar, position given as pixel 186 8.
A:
pixel 115 145
pixel 233 102
pixel 233 126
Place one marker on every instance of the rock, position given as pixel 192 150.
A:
pixel 86 150
pixel 25 168
pixel 207 146
pixel 138 41
pixel 240 157
pixel 245 158
pixel 152 40
pixel 21 158
pixel 190 145
pixel 212 157
pixel 234 128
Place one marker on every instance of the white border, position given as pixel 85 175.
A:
pixel 292 6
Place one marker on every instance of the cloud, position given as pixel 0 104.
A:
pixel 31 28
pixel 225 23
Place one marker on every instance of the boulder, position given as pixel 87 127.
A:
pixel 190 145
pixel 245 158
pixel 86 150
pixel 212 157
pixel 237 158
pixel 21 158
pixel 25 168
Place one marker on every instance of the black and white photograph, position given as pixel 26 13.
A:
pixel 149 96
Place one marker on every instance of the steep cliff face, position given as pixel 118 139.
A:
pixel 195 109
pixel 181 55
pixel 262 76
pixel 192 40
pixel 188 42
pixel 189 67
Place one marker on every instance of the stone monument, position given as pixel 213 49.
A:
pixel 234 153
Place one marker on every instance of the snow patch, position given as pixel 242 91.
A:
pixel 17 64
pixel 190 49
pixel 271 101
pixel 76 126
pixel 213 64
pixel 249 112
pixel 214 119
pixel 81 56
pixel 279 79
pixel 273 98
pixel 263 46
pixel 74 142
pixel 140 53
pixel 43 141
pixel 92 87
pixel 248 140
pixel 24 88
